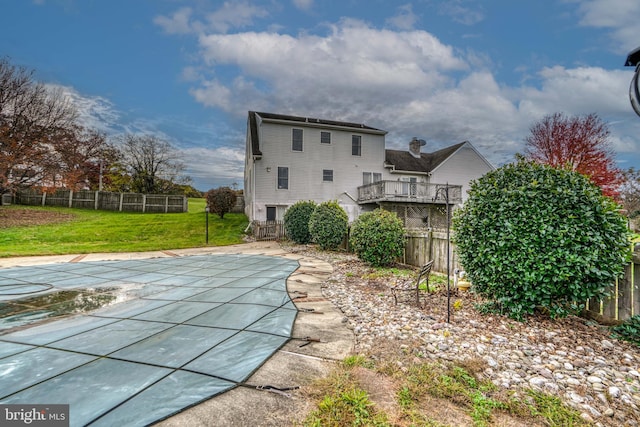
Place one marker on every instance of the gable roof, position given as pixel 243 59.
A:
pixel 404 161
pixel 256 116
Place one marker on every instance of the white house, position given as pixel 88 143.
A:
pixel 290 158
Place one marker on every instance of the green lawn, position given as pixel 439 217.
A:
pixel 105 231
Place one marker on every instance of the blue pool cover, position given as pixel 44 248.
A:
pixel 172 332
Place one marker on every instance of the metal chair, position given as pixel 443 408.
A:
pixel 423 277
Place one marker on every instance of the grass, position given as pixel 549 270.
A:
pixel 104 231
pixel 345 403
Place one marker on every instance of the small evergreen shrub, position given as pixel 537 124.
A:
pixel 328 225
pixel 629 330
pixel 221 200
pixel 530 236
pixel 378 237
pixel 296 221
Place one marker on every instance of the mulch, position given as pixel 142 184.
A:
pixel 12 217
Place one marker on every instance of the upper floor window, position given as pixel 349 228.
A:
pixel 325 137
pixel 296 140
pixel 327 175
pixel 283 178
pixel 356 145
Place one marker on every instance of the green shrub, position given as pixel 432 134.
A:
pixel 533 236
pixel 296 221
pixel 328 225
pixel 629 330
pixel 378 237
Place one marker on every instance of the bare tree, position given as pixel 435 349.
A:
pixel 154 165
pixel 630 195
pixel 31 117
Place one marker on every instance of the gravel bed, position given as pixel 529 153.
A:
pixel 572 358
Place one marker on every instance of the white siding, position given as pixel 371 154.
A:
pixel 462 167
pixel 306 167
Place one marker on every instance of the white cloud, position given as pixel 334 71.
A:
pixel 229 16
pixel 303 4
pixel 405 81
pixel 345 70
pixel 619 16
pixel 93 111
pixel 579 90
pixel 405 19
pixel 234 15
pixel 460 13
pixel 222 165
pixel 178 23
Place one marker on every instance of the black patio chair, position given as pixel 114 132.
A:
pixel 423 277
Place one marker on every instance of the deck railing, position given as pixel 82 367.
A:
pixel 412 192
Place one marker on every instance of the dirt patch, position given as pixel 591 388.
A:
pixel 19 217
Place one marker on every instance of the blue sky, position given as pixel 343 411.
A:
pixel 444 71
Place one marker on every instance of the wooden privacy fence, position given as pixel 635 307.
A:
pixel 424 246
pixel 104 200
pixel 624 299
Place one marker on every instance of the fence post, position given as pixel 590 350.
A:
pixel 70 198
pixel 185 204
pixel 144 203
pixel 120 202
pixel 97 196
pixel 166 204
pixel 44 198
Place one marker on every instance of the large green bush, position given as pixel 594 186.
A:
pixel 378 237
pixel 296 221
pixel 533 236
pixel 328 225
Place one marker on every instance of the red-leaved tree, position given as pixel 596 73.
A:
pixel 578 143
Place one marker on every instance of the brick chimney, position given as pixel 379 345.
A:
pixel 414 146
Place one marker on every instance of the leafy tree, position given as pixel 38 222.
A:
pixel 75 163
pixel 221 200
pixel 31 117
pixel 378 237
pixel 296 221
pixel 328 225
pixel 580 144
pixel 530 235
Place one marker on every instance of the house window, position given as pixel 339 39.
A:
pixel 283 178
pixel 371 177
pixel 327 175
pixel 409 186
pixel 325 137
pixel 356 145
pixel 296 140
pixel 271 213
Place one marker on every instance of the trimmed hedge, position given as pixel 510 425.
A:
pixel 296 221
pixel 328 225
pixel 530 236
pixel 378 237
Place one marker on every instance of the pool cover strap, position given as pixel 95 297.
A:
pixel 282 391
